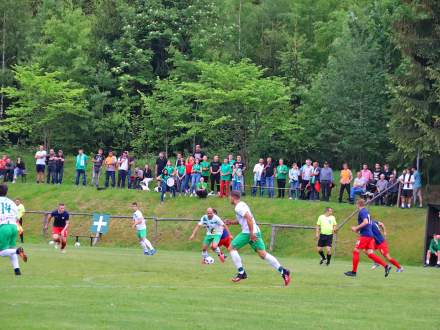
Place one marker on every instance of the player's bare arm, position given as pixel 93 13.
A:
pixel 250 223
pixel 195 230
pixel 318 231
pixel 359 227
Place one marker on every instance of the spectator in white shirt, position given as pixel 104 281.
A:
pixel 40 163
pixel 258 171
pixel 123 169
pixel 306 172
pixel 358 188
pixel 407 182
pixel 294 177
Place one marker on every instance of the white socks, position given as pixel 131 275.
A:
pixel 148 244
pixel 236 259
pixel 205 254
pixel 271 260
pixel 8 252
pixel 217 250
pixel 14 260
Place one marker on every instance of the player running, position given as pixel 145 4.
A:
pixel 9 231
pixel 226 238
pixel 214 231
pixel 141 230
pixel 382 245
pixel 365 241
pixel 250 234
pixel 60 226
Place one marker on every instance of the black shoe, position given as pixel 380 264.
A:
pixel 426 265
pixel 387 270
pixel 21 253
pixel 286 276
pixel 322 261
pixel 350 273
pixel 239 277
pixel 17 271
pixel 438 266
pixel 327 264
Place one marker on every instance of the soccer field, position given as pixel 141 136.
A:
pixel 89 288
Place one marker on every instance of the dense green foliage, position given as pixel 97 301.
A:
pixel 332 79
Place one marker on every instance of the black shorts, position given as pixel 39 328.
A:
pixel 325 240
pixel 40 168
pixel 407 193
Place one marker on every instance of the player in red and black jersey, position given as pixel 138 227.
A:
pixel 60 226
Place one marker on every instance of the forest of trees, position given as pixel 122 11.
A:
pixel 355 80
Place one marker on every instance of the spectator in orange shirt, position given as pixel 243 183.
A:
pixel 345 180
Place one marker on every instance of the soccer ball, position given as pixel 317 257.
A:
pixel 77 244
pixel 209 260
pixel 51 242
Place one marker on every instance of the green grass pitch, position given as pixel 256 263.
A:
pixel 113 288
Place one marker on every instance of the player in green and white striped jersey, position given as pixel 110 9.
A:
pixel 214 230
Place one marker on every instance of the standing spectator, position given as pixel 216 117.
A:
pixel 9 170
pixel 110 168
pixel 51 161
pixel 269 175
pixel 215 174
pixel 417 187
pixel 40 163
pixel 306 171
pixel 122 169
pixel 129 169
pixel 180 169
pixel 393 191
pixel 345 180
pixel 242 166
pixel 202 188
pixel 20 216
pixel 3 167
pixel 359 186
pixel 147 177
pixel 198 153
pixel 381 186
pixel 205 168
pixel 237 177
pixel 81 167
pixel 196 173
pixel 326 180
pixel 225 178
pixel 314 182
pixel 407 180
pixel 161 162
pixel 19 170
pixel 231 159
pixel 377 172
pixel 97 161
pixel 294 177
pixel 60 166
pixel 179 160
pixel 281 174
pixel 387 172
pixel 258 173
pixel 171 169
pixel 188 173
pixel 366 173
pixel 163 178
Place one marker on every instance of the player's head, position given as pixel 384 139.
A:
pixel 360 204
pixel 210 212
pixel 3 190
pixel 328 211
pixel 134 206
pixel 235 197
pixel 17 201
pixel 61 207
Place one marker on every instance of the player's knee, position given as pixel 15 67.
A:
pixel 262 253
pixel 369 252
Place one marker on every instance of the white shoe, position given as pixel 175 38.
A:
pixel 375 266
pixel 290 198
pixel 63 251
pixel 55 246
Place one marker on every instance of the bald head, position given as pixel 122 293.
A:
pixel 210 212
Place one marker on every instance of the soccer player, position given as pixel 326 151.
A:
pixel 434 248
pixel 382 245
pixel 8 230
pixel 141 230
pixel 214 230
pixel 21 212
pixel 226 238
pixel 250 234
pixel 325 228
pixel 365 241
pixel 60 226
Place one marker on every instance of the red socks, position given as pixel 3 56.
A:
pixel 395 263
pixel 376 259
pixel 355 261
pixel 63 245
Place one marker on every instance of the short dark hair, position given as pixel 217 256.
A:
pixel 236 194
pixel 328 209
pixel 60 204
pixel 214 211
pixel 134 204
pixel 3 190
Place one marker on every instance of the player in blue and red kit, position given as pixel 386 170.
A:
pixel 382 245
pixel 365 241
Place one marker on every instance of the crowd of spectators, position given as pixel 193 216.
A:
pixel 194 174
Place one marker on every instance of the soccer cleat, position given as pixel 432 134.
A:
pixel 153 252
pixel 221 256
pixel 239 277
pixel 17 271
pixel 321 261
pixel 399 270
pixel 147 253
pixel 387 270
pixel 350 274
pixel 426 265
pixel 22 255
pixel 63 251
pixel 286 276
pixel 375 266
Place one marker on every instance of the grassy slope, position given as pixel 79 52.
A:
pixel 117 288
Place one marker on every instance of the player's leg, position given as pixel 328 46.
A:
pixel 428 258
pixel 215 247
pixel 355 260
pixel 57 240
pixel 329 254
pixel 319 249
pixel 237 243
pixel 383 248
pixel 205 253
pixel 378 260
pixel 63 241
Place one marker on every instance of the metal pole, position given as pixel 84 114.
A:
pixel 155 231
pixel 272 237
